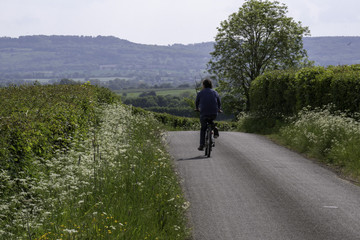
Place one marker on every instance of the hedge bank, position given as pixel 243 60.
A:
pixel 280 93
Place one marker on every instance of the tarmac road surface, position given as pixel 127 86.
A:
pixel 251 188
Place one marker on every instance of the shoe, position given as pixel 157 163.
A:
pixel 216 133
pixel 201 148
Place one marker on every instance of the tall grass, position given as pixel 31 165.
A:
pixel 116 183
pixel 333 138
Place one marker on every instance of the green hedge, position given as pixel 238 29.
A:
pixel 345 91
pixel 287 92
pixel 177 111
pixel 37 121
pixel 312 86
pixel 273 93
pixel 172 122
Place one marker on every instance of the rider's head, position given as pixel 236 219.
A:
pixel 207 83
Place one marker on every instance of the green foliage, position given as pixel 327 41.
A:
pixel 312 87
pixel 116 184
pixel 345 90
pixel 324 105
pixel 172 122
pixel 333 138
pixel 172 104
pixel 36 121
pixel 280 93
pixel 259 37
pixel 176 111
pixel 258 123
pixel 321 133
pixel 272 94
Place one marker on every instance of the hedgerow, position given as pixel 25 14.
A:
pixel 273 93
pixel 172 122
pixel 36 121
pixel 313 110
pixel 287 92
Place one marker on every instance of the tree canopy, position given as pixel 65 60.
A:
pixel 257 38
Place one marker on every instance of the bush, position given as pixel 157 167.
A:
pixel 257 123
pixel 333 138
pixel 280 93
pixel 172 122
pixel 308 89
pixel 272 94
pixel 37 121
pixel 345 91
pixel 117 184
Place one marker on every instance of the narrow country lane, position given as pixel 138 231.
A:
pixel 251 188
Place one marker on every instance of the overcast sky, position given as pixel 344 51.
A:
pixel 161 22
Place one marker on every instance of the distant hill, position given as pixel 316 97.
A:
pixel 333 50
pixel 89 57
pixel 54 57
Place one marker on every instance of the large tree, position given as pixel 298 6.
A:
pixel 257 38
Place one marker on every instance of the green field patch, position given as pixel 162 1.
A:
pixel 133 93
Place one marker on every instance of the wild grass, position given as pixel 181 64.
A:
pixel 117 182
pixel 331 137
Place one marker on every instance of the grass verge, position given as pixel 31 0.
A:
pixel 332 138
pixel 118 183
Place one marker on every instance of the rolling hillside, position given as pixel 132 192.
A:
pixel 55 57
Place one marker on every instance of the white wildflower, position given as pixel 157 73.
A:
pixel 70 231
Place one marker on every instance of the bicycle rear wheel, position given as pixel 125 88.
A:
pixel 208 142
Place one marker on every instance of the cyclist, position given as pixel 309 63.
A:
pixel 209 104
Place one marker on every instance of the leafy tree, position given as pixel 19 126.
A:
pixel 66 81
pixel 257 38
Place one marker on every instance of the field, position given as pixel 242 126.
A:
pixel 133 93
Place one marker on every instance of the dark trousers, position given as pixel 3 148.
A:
pixel 204 120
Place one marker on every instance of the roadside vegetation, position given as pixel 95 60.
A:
pixel 68 174
pixel 332 138
pixel 313 110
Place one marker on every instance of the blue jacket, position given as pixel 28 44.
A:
pixel 208 101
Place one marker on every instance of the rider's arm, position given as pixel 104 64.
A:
pixel 197 102
pixel 218 102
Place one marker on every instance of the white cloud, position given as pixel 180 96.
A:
pixel 327 18
pixel 160 21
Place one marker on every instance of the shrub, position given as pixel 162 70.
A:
pixel 36 121
pixel 280 93
pixel 117 184
pixel 345 91
pixel 272 94
pixel 324 135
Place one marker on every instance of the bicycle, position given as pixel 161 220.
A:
pixel 209 134
pixel 209 137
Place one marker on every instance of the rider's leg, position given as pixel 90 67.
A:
pixel 213 126
pixel 202 132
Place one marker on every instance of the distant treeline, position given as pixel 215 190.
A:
pixel 173 105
